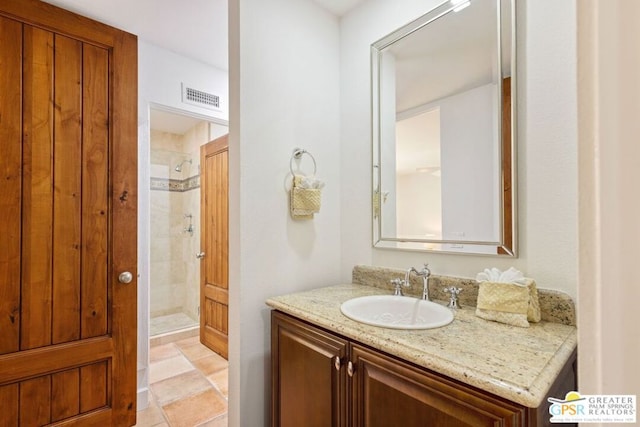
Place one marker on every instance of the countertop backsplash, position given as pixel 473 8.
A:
pixel 555 306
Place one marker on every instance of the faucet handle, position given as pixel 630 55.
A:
pixel 453 296
pixel 398 284
pixel 426 270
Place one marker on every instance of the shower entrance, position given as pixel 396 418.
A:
pixel 175 141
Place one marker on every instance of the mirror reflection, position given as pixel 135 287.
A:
pixel 443 131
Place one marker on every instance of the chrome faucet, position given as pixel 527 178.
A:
pixel 424 273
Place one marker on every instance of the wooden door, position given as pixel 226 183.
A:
pixel 309 383
pixel 386 391
pixel 214 242
pixel 68 179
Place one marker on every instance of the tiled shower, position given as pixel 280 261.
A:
pixel 175 229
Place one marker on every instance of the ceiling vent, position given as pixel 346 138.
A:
pixel 200 98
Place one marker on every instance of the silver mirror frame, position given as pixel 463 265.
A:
pixel 507 246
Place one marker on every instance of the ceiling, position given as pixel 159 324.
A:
pixel 339 7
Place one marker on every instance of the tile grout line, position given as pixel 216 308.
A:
pixel 212 384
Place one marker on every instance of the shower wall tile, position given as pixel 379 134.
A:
pixel 166 141
pixel 161 250
pixel 178 270
pixel 160 170
pixel 175 275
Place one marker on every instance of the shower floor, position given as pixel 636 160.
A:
pixel 171 322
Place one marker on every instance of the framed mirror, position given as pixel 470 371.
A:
pixel 443 105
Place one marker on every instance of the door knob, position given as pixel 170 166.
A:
pixel 200 255
pixel 125 277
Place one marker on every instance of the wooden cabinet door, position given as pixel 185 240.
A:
pixel 387 392
pixel 214 242
pixel 68 179
pixel 309 383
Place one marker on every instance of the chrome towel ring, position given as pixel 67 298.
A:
pixel 297 154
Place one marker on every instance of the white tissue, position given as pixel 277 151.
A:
pixel 310 182
pixel 510 276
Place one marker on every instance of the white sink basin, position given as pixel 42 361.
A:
pixel 396 312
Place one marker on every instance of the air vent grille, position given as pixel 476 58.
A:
pixel 200 98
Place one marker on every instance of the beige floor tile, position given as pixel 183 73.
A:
pixel 195 410
pixel 220 380
pixel 195 351
pixel 221 421
pixel 150 417
pixel 188 342
pixel 210 364
pixel 162 352
pixel 168 368
pixel 179 387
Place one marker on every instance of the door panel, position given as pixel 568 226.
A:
pixel 95 198
pixel 37 191
pixel 65 394
pixel 9 396
pixel 11 188
pixel 214 276
pixel 35 390
pixel 67 184
pixel 68 179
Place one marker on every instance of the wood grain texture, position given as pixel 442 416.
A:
pixel 99 418
pixel 386 391
pixel 507 170
pixel 52 18
pixel 307 389
pixel 37 197
pixel 65 394
pixel 10 183
pixel 95 185
pixel 214 272
pixel 67 189
pixel 39 361
pixel 32 391
pixel 124 202
pixel 383 390
pixel 93 386
pixel 71 84
pixel 10 398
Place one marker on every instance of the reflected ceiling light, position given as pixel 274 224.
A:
pixel 459 4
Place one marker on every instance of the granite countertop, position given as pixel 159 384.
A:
pixel 519 364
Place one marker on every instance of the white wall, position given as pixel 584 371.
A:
pixel 160 74
pixel 547 144
pixel 419 217
pixel 609 155
pixel 284 80
pixel 469 160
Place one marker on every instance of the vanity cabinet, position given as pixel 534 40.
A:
pixel 309 384
pixel 322 379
